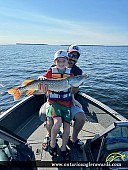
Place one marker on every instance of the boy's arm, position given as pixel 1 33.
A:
pixel 43 88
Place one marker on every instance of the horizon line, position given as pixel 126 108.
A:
pixel 65 44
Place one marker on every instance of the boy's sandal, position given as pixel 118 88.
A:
pixel 53 151
pixel 46 143
pixel 70 142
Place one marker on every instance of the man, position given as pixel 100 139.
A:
pixel 77 113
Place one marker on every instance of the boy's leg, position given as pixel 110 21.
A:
pixel 49 120
pixel 66 131
pixel 66 115
pixel 65 137
pixel 56 114
pixel 55 129
pixel 49 124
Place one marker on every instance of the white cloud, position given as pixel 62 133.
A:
pixel 31 27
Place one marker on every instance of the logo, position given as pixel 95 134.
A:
pixel 60 52
pixel 114 156
pixel 68 116
pixel 59 110
pixel 75 48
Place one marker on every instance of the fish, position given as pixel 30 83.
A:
pixel 56 85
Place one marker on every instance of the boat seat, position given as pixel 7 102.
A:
pixel 117 139
pixel 3 157
pixel 115 146
pixel 1 142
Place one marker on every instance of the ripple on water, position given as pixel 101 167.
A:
pixel 106 67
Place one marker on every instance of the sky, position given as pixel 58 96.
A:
pixel 91 22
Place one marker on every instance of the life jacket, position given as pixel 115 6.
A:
pixel 61 95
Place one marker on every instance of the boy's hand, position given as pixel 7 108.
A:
pixel 42 87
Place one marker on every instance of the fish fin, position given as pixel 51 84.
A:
pixel 15 92
pixel 29 92
pixel 26 82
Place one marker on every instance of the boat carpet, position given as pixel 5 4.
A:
pixel 34 131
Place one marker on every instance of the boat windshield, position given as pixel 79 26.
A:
pixel 118 134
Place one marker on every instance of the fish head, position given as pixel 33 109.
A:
pixel 77 80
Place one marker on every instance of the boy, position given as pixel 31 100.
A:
pixel 59 104
pixel 77 114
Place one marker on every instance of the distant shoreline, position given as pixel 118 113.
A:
pixel 29 44
pixel 93 45
pixel 86 45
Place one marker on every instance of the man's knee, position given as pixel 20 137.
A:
pixel 80 117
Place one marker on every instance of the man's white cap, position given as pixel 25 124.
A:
pixel 60 53
pixel 74 48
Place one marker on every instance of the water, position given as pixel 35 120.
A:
pixel 106 66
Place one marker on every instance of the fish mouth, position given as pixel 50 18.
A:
pixel 80 80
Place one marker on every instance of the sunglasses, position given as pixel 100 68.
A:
pixel 71 55
pixel 70 59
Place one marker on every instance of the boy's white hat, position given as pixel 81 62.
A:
pixel 74 48
pixel 60 53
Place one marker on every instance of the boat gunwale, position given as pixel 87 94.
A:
pixel 91 99
pixel 14 107
pixel 104 107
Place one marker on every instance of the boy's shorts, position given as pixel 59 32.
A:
pixel 56 110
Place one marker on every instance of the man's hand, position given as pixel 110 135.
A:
pixel 74 90
pixel 41 78
pixel 76 103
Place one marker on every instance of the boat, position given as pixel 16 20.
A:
pixel 105 137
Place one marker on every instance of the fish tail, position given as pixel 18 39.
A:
pixel 15 92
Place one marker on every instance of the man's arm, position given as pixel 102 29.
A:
pixel 74 90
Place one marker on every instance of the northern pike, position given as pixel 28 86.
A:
pixel 52 84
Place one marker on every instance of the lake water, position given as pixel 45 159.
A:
pixel 107 67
